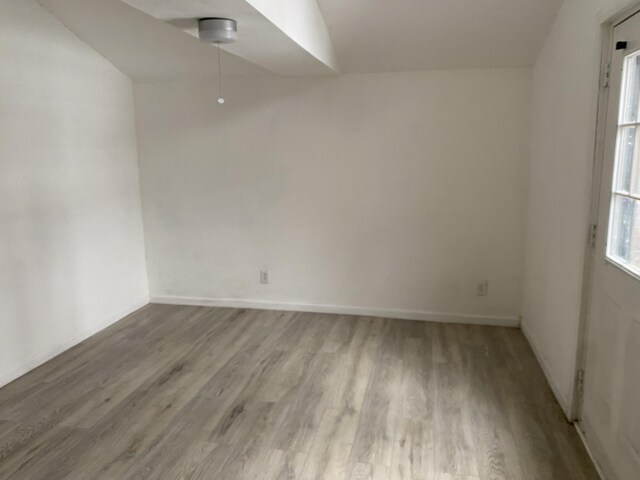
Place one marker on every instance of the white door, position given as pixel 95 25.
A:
pixel 610 417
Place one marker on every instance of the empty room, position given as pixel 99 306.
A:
pixel 319 240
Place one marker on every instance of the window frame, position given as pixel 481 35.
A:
pixel 633 193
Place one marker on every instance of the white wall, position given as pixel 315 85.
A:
pixel 71 242
pixel 565 94
pixel 397 192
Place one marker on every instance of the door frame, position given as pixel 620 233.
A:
pixel 606 54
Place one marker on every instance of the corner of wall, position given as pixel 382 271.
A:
pixel 561 397
pixel 55 350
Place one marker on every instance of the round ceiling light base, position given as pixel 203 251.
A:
pixel 217 30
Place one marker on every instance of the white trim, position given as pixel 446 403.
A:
pixel 597 151
pixel 54 351
pixel 609 20
pixel 557 391
pixel 631 271
pixel 465 318
pixel 589 452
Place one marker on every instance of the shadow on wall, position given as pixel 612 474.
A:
pixel 39 277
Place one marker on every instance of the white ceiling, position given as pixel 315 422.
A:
pixel 142 47
pixel 259 40
pixel 395 35
pixel 368 35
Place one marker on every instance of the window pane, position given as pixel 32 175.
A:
pixel 621 229
pixel 631 94
pixel 624 159
pixel 635 184
pixel 623 242
pixel 635 237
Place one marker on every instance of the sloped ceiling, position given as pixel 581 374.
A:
pixel 156 39
pixel 144 48
pixel 287 37
pixel 398 35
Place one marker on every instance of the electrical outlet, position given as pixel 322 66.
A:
pixel 482 289
pixel 264 276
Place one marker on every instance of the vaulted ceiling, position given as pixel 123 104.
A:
pixel 396 35
pixel 156 39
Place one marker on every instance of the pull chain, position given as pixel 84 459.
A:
pixel 220 97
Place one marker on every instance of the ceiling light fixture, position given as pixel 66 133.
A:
pixel 218 31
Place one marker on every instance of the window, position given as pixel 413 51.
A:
pixel 623 246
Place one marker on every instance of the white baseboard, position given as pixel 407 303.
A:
pixel 341 310
pixel 55 350
pixel 564 402
pixel 589 451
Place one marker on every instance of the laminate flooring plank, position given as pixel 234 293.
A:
pixel 14 436
pixel 303 341
pixel 180 386
pixel 374 441
pixel 341 333
pixel 488 431
pixel 328 458
pixel 197 393
pixel 455 452
pixel 414 447
pixel 368 471
pixel 301 410
pixel 215 417
pixel 246 458
pixel 350 380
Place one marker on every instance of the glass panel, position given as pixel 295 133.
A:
pixel 631 94
pixel 623 242
pixel 621 229
pixel 634 254
pixel 624 159
pixel 635 185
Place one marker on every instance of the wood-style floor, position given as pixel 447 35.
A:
pixel 183 393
